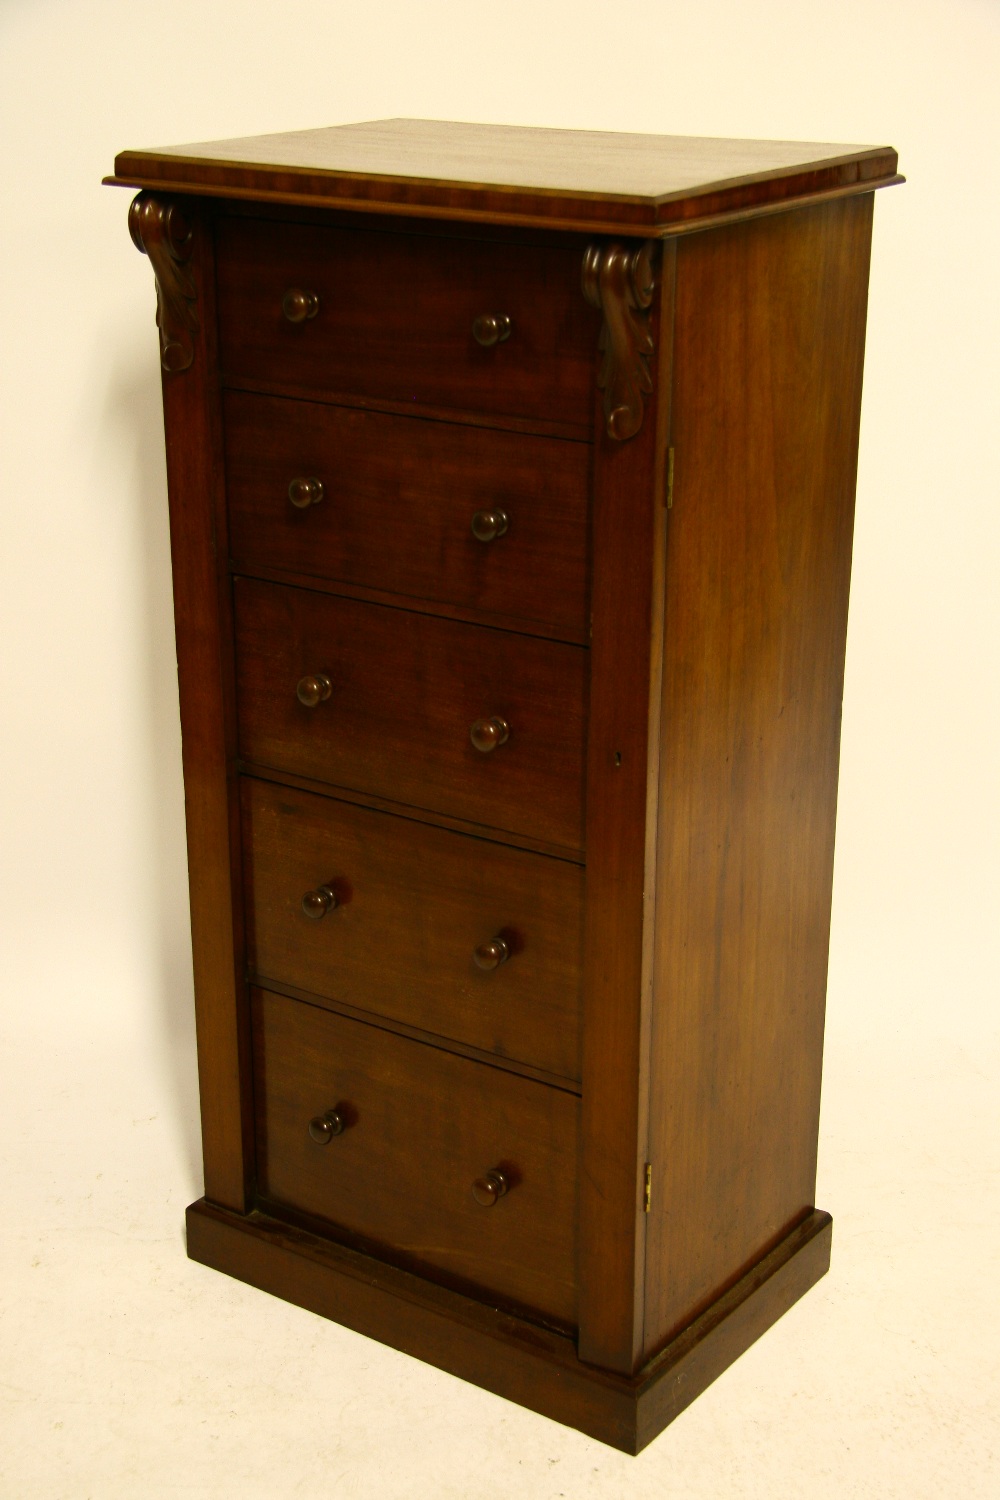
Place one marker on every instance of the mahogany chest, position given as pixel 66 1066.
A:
pixel 511 479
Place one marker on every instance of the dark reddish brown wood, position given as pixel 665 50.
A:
pixel 492 954
pixel 618 280
pixel 399 501
pixel 407 689
pixel 622 780
pixel 205 680
pixel 590 180
pixel 415 690
pixel 491 328
pixel 417 814
pixel 418 1034
pixel 413 905
pixel 299 306
pixel 536 1367
pixel 396 314
pixel 158 228
pixel 769 346
pixel 401 1174
pixel 577 431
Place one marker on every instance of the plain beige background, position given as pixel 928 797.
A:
pixel 124 1369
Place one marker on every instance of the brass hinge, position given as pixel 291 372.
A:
pixel 670 479
pixel 648 1188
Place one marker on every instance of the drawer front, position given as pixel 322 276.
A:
pixel 394 318
pixel 399 499
pixel 404 691
pixel 421 1127
pixel 413 904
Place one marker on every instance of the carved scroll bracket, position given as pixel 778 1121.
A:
pixel 619 281
pixel 159 230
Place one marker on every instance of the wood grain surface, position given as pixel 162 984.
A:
pixel 205 676
pixel 592 180
pixel 537 1367
pixel 630 535
pixel 406 690
pixel 415 902
pixel 396 315
pixel 769 344
pixel 399 498
pixel 401 1174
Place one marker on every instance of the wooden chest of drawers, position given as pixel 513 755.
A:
pixel 511 483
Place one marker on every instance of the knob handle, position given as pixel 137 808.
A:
pixel 323 1128
pixel 491 328
pixel 487 525
pixel 313 690
pixel 305 492
pixel 487 734
pixel 489 1188
pixel 317 903
pixel 298 305
pixel 492 954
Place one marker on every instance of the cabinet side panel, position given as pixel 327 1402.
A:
pixel 203 626
pixel 769 345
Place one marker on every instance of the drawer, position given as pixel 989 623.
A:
pixel 399 497
pixel 413 904
pixel 404 690
pixel 420 1127
pixel 395 313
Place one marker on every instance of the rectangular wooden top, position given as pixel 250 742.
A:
pixel 573 179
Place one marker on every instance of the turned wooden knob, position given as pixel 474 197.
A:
pixel 487 525
pixel 492 954
pixel 305 492
pixel 323 1128
pixel 489 1188
pixel 313 690
pixel 487 734
pixel 491 328
pixel 298 306
pixel 317 903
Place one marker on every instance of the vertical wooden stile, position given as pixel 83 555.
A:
pixel 622 780
pixel 198 548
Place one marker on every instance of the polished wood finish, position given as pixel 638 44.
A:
pixel 492 954
pixel 630 521
pixel 408 505
pixel 619 280
pixel 396 317
pixel 491 328
pixel 487 525
pixel 488 1190
pixel 313 690
pixel 315 904
pixel 408 737
pixel 414 904
pixel 305 492
pixel 159 230
pixel 488 734
pixel 323 1128
pixel 511 568
pixel 203 631
pixel 536 1367
pixel 426 815
pixel 298 306
pixel 400 1176
pixel 757 581
pixel 504 174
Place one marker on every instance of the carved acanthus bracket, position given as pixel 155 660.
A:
pixel 619 281
pixel 159 230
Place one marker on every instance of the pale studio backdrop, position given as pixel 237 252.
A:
pixel 124 1369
